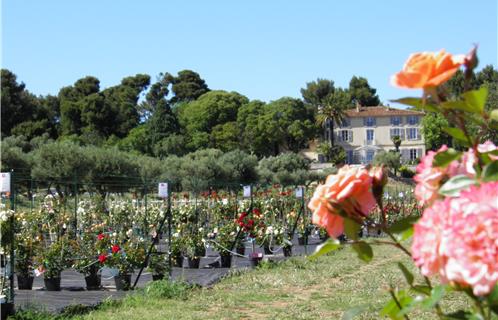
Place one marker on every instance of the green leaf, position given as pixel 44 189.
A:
pixel 422 289
pixel 460 315
pixel 326 247
pixel 452 187
pixel 442 159
pixel 437 294
pixel 405 235
pixel 457 134
pixel 493 299
pixel 364 251
pixel 403 225
pixel 494 115
pixel 418 103
pixel 490 172
pixel 355 311
pixel 457 105
pixel 351 229
pixel 408 275
pixel 391 310
pixel 476 99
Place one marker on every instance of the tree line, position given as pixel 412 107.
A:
pixel 179 115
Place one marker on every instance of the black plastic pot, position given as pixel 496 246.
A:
pixel 287 251
pixel 156 277
pixel 255 261
pixel 301 241
pixel 193 262
pixel 226 260
pixel 52 284
pixel 268 249
pixel 123 282
pixel 178 261
pixel 25 282
pixel 241 250
pixel 93 282
pixel 7 309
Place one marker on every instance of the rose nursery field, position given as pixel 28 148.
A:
pixel 56 231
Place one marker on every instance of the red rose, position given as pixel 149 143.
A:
pixel 115 248
pixel 102 258
pixel 256 211
pixel 101 236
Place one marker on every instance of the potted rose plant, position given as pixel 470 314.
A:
pixel 158 265
pixel 177 249
pixel 52 261
pixel 195 248
pixel 224 240
pixel 125 259
pixel 24 264
pixel 88 263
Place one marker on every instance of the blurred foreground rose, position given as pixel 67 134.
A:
pixel 427 69
pixel 346 193
pixel 457 239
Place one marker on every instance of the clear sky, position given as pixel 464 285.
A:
pixel 264 49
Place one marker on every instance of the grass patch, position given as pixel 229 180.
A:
pixel 293 289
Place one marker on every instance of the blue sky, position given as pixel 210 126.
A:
pixel 263 49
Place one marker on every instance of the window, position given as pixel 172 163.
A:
pixel 349 156
pixel 413 134
pixel 370 155
pixel 412 120
pixel 369 121
pixel 345 123
pixel 327 123
pixel 395 121
pixel 413 154
pixel 400 132
pixel 346 135
pixel 370 134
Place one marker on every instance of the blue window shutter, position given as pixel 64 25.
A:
pixel 374 122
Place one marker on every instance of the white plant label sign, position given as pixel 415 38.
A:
pixel 247 191
pixel 5 182
pixel 299 192
pixel 163 190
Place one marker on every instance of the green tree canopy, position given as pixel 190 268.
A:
pixel 362 93
pixel 214 108
pixel 286 169
pixel 186 86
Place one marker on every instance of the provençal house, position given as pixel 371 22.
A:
pixel 368 130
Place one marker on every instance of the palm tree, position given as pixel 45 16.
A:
pixel 333 109
pixel 397 142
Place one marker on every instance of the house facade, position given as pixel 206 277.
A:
pixel 367 130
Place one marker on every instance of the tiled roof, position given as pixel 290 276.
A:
pixel 381 112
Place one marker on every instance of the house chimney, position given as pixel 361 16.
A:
pixel 357 106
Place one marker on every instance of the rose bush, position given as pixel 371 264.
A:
pixel 456 239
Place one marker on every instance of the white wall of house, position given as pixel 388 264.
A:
pixel 363 137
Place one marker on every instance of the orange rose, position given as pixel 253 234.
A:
pixel 427 69
pixel 348 191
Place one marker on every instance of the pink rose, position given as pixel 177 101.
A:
pixel 347 192
pixel 457 239
pixel 429 179
pixel 487 147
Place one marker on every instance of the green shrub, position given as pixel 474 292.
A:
pixel 406 172
pixel 391 159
